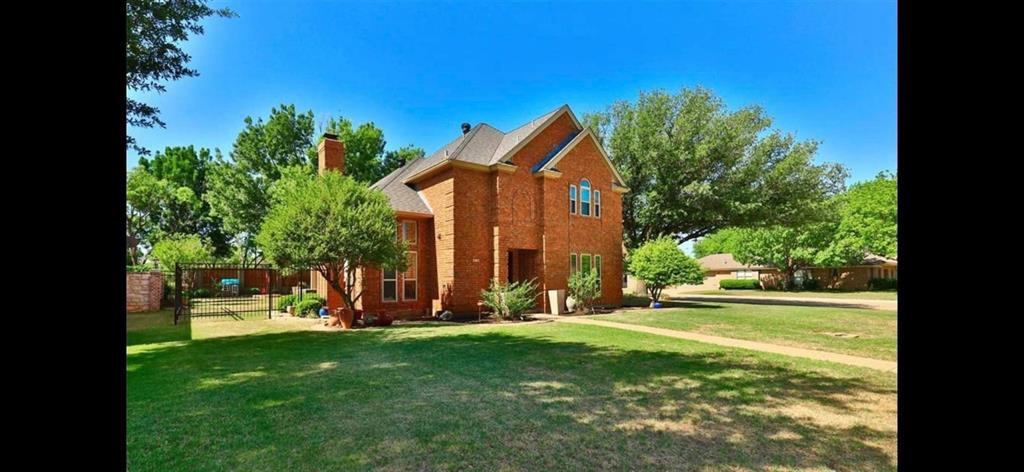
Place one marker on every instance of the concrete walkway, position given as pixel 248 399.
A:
pixel 877 364
pixel 795 301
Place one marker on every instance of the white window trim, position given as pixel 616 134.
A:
pixel 589 257
pixel 588 201
pixel 597 203
pixel 597 266
pixel 574 261
pixel 573 199
pixel 414 279
pixel 382 281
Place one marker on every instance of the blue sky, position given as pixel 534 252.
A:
pixel 823 70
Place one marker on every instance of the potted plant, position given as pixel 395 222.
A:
pixel 344 317
pixel 570 304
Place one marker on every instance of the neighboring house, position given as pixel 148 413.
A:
pixel 723 266
pixel 852 277
pixel 534 203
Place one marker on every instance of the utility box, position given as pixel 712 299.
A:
pixel 556 300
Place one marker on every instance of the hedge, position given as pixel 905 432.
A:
pixel 309 306
pixel 285 300
pixel 881 284
pixel 739 284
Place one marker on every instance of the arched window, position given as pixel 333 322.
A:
pixel 572 199
pixel 585 197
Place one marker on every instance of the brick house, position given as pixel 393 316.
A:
pixel 534 203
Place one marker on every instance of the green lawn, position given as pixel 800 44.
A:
pixel 285 395
pixel 880 295
pixel 798 326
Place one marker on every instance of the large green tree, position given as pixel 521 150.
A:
pixel 365 158
pixel 868 217
pixel 238 192
pixel 184 170
pixel 178 249
pixel 334 225
pixel 723 241
pixel 144 196
pixel 155 29
pixel 695 167
pixel 789 249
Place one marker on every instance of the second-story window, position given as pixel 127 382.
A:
pixel 572 199
pixel 597 203
pixel 585 197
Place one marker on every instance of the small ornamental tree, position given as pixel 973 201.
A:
pixel 334 225
pixel 174 250
pixel 660 263
pixel 584 288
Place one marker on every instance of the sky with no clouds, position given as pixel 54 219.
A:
pixel 823 70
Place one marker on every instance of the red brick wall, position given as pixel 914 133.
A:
pixel 144 290
pixel 565 233
pixel 479 216
pixel 439 192
pixel 372 285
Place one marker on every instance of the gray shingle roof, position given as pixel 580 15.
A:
pixel 483 144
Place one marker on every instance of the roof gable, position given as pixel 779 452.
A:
pixel 551 162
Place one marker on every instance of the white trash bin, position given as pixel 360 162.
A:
pixel 556 300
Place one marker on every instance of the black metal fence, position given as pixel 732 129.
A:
pixel 225 290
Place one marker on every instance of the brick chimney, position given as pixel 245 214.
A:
pixel 331 154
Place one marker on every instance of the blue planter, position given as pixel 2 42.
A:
pixel 324 313
pixel 657 304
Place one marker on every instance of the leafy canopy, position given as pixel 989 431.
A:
pixel 181 249
pixel 239 188
pixel 868 217
pixel 153 55
pixel 723 241
pixel 694 167
pixel 661 263
pixel 334 225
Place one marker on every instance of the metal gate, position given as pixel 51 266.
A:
pixel 225 290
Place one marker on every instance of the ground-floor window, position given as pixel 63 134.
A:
pixel 409 277
pixel 597 265
pixel 585 262
pixel 389 288
pixel 746 274
pixel 572 263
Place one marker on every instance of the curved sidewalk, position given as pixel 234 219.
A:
pixel 795 301
pixel 876 364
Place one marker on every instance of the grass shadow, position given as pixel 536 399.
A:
pixel 562 397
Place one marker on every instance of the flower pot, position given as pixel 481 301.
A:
pixel 570 304
pixel 345 317
pixel 291 310
pixel 655 304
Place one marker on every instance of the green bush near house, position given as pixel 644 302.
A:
pixel 739 284
pixel 881 284
pixel 811 284
pixel 309 306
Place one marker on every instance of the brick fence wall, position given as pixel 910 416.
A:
pixel 144 290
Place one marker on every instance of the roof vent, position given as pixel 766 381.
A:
pixel 465 128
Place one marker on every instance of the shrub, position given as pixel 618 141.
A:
pixel 583 287
pixel 509 301
pixel 254 291
pixel 309 307
pixel 283 302
pixel 881 284
pixel 739 284
pixel 811 284
pixel 379 319
pixel 200 292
